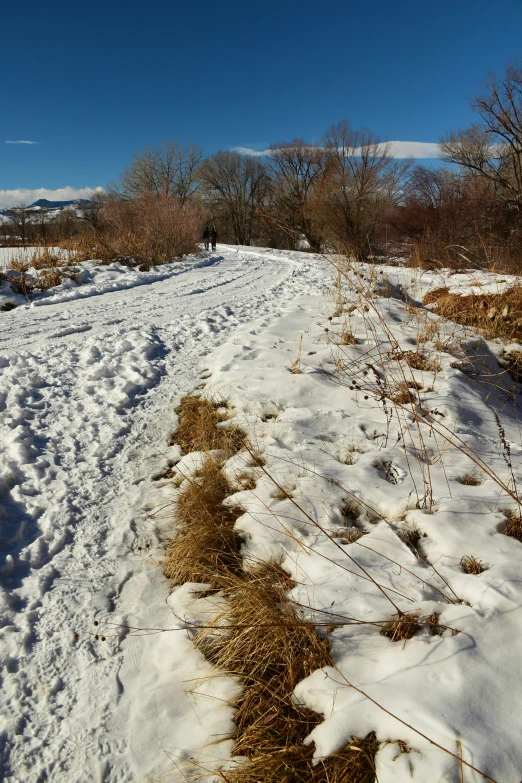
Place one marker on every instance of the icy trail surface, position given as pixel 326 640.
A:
pixel 87 384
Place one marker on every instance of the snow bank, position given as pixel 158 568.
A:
pixel 330 444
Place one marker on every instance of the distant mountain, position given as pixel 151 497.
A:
pixel 46 204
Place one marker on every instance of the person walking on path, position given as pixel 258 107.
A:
pixel 206 237
pixel 213 237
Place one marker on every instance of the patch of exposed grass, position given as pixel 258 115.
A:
pixel 403 395
pixel 347 338
pixel 471 479
pixel 497 315
pixel 419 361
pixel 514 525
pixel 259 636
pixel 207 546
pixel 472 566
pixel 263 639
pixel 199 426
pixel 401 627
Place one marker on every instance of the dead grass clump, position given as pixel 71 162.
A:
pixel 347 338
pixel 472 566
pixel 401 627
pixel 246 480
pixel 355 763
pixel 53 276
pixel 428 333
pixel 283 493
pixel 471 479
pixel 352 510
pixel 514 525
pixel 513 364
pixel 432 621
pixel 262 638
pixel 403 395
pixel 497 315
pixel 349 535
pixel 419 361
pixel 411 537
pixel 207 548
pixel 199 430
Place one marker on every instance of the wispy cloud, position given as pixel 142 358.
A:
pixel 9 198
pixel 250 151
pixel 398 149
pixel 22 141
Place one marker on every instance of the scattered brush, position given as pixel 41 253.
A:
pixel 207 545
pixel 472 566
pixel 401 627
pixel 514 525
pixel 497 315
pixel 403 395
pixel 347 337
pixel 419 361
pixel 471 479
pixel 199 426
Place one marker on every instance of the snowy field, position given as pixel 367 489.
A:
pixel 19 253
pixel 90 376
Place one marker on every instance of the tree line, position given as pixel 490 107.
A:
pixel 346 192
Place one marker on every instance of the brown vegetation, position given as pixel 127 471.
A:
pixel 200 427
pixel 259 636
pixel 496 315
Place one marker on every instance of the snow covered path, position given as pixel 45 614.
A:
pixel 87 381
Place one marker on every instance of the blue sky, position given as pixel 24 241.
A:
pixel 94 82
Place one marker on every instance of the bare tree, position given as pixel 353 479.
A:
pixel 170 170
pixel 297 169
pixel 19 217
pixel 362 184
pixel 234 186
pixel 492 148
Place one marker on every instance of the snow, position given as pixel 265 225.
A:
pixel 90 378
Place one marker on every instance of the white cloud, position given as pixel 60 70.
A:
pixel 414 149
pixel 22 141
pixel 9 198
pixel 398 149
pixel 250 151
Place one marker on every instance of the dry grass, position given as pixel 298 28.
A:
pixel 207 546
pixel 349 535
pixel 262 639
pixel 411 537
pixel 259 636
pixel 514 525
pixel 403 395
pixel 471 479
pixel 347 338
pixel 401 627
pixel 419 361
pixel 472 566
pixel 496 315
pixel 199 426
pixel 283 493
